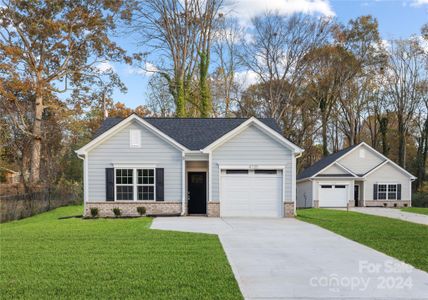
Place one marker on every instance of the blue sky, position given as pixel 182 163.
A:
pixel 397 19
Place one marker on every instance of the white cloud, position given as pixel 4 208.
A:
pixel 105 67
pixel 247 9
pixel 246 78
pixel 424 44
pixel 147 70
pixel 386 44
pixel 419 2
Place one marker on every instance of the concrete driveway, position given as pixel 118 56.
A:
pixel 394 213
pixel 290 259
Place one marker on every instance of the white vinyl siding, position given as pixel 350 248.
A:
pixel 334 169
pixel 354 162
pixel 251 147
pixel 154 151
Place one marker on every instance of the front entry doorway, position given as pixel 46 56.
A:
pixel 356 194
pixel 197 193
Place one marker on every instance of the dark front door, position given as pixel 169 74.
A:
pixel 356 194
pixel 197 191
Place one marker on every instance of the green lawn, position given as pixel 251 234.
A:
pixel 416 210
pixel 42 257
pixel 403 240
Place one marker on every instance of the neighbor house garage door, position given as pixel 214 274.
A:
pixel 251 193
pixel 333 195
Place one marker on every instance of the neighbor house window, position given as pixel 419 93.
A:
pixel 124 184
pixel 135 184
pixel 387 192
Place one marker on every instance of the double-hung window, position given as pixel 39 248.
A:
pixel 387 192
pixel 135 184
pixel 146 184
pixel 124 184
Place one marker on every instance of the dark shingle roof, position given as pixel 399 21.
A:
pixel 321 164
pixel 193 133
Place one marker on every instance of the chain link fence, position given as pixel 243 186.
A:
pixel 23 205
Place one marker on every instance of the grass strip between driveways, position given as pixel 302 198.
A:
pixel 403 240
pixel 43 257
pixel 416 210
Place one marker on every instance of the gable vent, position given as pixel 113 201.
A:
pixel 135 138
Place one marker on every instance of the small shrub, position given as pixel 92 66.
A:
pixel 405 204
pixel 94 212
pixel 385 204
pixel 141 210
pixel 395 204
pixel 116 212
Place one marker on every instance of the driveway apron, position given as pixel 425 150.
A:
pixel 291 259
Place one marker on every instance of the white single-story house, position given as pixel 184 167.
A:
pixel 355 176
pixel 239 167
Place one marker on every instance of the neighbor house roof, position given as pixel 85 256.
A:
pixel 193 133
pixel 323 163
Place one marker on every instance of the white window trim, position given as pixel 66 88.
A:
pixel 123 184
pixel 135 184
pixel 387 192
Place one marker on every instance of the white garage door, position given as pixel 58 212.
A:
pixel 249 193
pixel 333 195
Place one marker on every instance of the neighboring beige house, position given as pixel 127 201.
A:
pixel 9 176
pixel 355 176
pixel 239 167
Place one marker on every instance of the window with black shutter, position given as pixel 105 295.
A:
pixel 134 184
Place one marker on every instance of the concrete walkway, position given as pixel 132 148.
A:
pixel 290 259
pixel 395 213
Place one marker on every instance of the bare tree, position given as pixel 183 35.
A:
pixel 403 86
pixel 331 68
pixel 361 38
pixel 180 33
pixel 160 100
pixel 275 52
pixel 422 137
pixel 225 47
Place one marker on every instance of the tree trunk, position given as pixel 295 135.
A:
pixel 204 89
pixel 383 128
pixel 422 156
pixel 180 101
pixel 324 136
pixel 401 143
pixel 36 146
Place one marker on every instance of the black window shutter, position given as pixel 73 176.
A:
pixel 374 191
pixel 109 184
pixel 159 184
pixel 398 191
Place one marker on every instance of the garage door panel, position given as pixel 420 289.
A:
pixel 333 196
pixel 251 195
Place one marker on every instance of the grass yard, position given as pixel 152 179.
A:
pixel 416 210
pixel 403 240
pixel 43 257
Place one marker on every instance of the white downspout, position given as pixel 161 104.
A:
pixel 294 175
pixel 85 180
